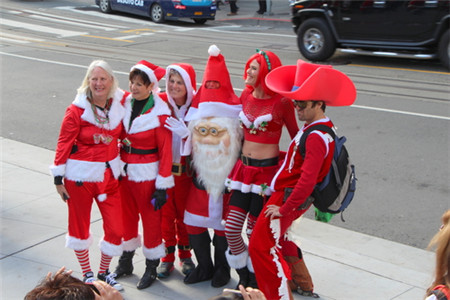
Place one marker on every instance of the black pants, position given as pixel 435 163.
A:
pixel 233 6
pixel 262 6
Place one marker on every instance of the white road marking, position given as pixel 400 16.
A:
pixel 39 28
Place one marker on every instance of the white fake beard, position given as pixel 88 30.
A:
pixel 213 164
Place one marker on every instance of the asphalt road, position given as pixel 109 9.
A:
pixel 397 131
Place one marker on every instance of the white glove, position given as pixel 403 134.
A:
pixel 178 127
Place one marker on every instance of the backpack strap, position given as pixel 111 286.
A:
pixel 320 127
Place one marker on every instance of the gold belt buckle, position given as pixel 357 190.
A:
pixel 178 167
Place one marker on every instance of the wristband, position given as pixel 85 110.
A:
pixel 58 180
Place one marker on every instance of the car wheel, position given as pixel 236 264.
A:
pixel 105 6
pixel 315 41
pixel 200 21
pixel 157 13
pixel 444 49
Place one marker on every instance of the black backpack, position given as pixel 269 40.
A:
pixel 335 192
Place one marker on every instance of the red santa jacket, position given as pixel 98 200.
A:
pixel 303 175
pixel 85 145
pixel 147 132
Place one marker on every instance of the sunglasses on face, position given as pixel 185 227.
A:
pixel 300 104
pixel 209 130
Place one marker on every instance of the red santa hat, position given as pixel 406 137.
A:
pixel 215 98
pixel 186 72
pixel 153 72
pixel 307 81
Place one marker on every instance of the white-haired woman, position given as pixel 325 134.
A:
pixel 86 167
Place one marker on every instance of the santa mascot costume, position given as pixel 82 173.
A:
pixel 215 142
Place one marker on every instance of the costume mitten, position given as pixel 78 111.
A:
pixel 159 198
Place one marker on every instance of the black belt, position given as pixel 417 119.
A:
pixel 259 162
pixel 131 150
pixel 178 169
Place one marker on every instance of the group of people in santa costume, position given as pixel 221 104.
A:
pixel 194 166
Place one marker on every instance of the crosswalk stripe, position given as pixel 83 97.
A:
pixel 40 28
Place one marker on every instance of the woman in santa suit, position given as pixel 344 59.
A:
pixel 87 158
pixel 180 88
pixel 262 117
pixel 147 172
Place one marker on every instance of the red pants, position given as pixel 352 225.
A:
pixel 265 249
pixel 173 227
pixel 107 197
pixel 136 201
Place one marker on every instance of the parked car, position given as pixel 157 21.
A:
pixel 397 28
pixel 160 10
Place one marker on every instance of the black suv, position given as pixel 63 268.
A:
pixel 397 28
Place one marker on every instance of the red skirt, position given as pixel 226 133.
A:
pixel 249 179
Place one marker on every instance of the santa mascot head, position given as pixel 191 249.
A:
pixel 214 123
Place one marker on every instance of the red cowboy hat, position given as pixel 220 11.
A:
pixel 307 81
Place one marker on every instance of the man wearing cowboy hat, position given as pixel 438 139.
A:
pixel 312 87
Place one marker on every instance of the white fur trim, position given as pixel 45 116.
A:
pixel 213 109
pixel 78 244
pixel 154 253
pixel 238 261
pixel 150 73
pixel 190 92
pixel 250 265
pixel 143 172
pixel 146 121
pixel 90 171
pixel 214 218
pixel 132 244
pixel 116 112
pixel 110 249
pixel 164 182
pixel 263 118
pixel 81 170
pixel 115 166
pixel 101 197
pixel 213 50
pixel 58 170
pixel 276 231
pixel 247 188
pixel 244 119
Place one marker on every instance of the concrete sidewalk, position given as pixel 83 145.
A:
pixel 277 15
pixel 344 264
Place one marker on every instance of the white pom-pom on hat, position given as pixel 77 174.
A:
pixel 214 50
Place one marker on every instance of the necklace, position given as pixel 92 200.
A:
pixel 98 117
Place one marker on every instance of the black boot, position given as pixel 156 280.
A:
pixel 221 268
pixel 252 280
pixel 125 266
pixel 243 277
pixel 201 243
pixel 149 275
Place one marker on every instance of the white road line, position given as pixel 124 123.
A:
pixel 79 24
pixel 77 21
pixel 39 28
pixel 14 40
pixel 401 112
pixel 18 37
pixel 126 73
pixel 129 37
